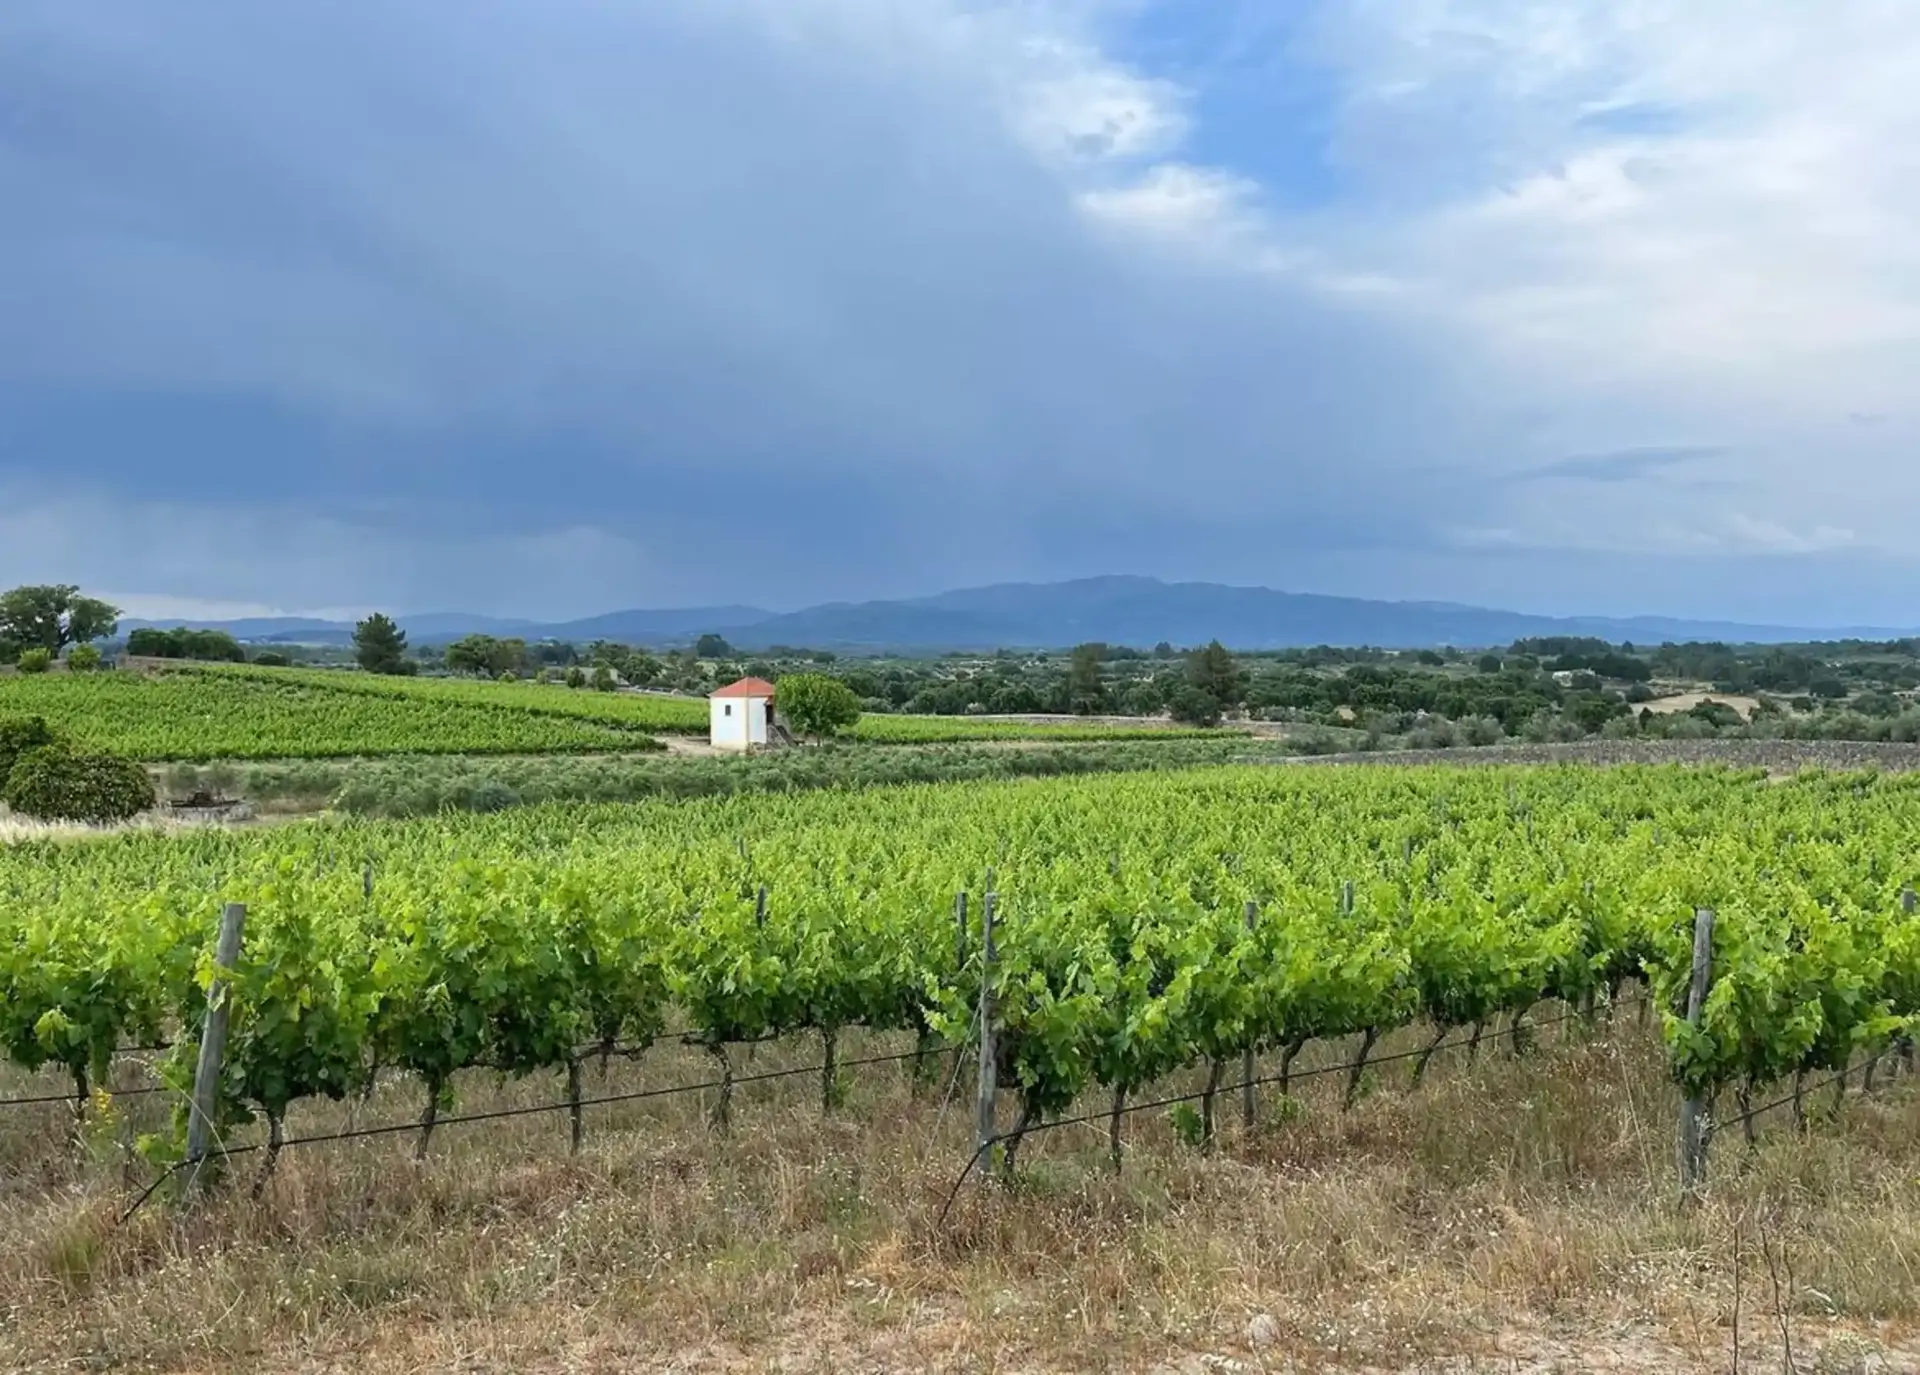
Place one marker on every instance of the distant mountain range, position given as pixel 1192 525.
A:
pixel 1117 610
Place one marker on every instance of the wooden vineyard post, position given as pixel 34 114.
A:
pixel 983 1103
pixel 960 930
pixel 1346 898
pixel 213 1046
pixel 1693 1111
pixel 1246 1056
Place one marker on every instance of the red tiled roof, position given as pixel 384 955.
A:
pixel 747 687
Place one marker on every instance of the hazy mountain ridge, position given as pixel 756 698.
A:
pixel 1118 610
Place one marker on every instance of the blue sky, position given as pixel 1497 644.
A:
pixel 546 307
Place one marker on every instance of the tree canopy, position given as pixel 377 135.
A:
pixel 816 704
pixel 381 646
pixel 51 617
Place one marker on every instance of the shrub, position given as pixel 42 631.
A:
pixel 83 659
pixel 20 735
pixel 576 677
pixel 603 679
pixel 1194 706
pixel 55 783
pixel 272 659
pixel 36 660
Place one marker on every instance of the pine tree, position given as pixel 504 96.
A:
pixel 380 645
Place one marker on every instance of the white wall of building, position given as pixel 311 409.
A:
pixel 738 723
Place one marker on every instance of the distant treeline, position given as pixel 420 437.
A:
pixel 181 643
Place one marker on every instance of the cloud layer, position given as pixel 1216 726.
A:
pixel 556 306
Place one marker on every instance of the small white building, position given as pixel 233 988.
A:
pixel 741 714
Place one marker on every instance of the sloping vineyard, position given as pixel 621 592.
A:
pixel 198 714
pixel 1127 947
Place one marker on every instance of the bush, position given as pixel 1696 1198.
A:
pixel 35 660
pixel 21 735
pixel 272 659
pixel 603 679
pixel 55 783
pixel 83 659
pixel 1194 706
pixel 576 677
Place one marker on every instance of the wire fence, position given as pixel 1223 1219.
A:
pixel 577 1104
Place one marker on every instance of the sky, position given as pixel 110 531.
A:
pixel 550 307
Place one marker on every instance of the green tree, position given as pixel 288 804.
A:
pixel 816 704
pixel 380 645
pixel 711 646
pixel 471 654
pixel 1086 692
pixel 1194 706
pixel 576 677
pixel 1213 671
pixel 53 616
pixel 603 679
pixel 640 668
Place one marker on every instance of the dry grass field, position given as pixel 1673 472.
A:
pixel 1513 1214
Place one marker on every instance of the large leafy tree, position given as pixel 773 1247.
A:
pixel 380 645
pixel 52 617
pixel 816 704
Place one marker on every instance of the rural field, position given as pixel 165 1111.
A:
pixel 1351 1069
pixel 208 712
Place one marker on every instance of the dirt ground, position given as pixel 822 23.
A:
pixel 1687 701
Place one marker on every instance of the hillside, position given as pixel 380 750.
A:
pixel 1118 610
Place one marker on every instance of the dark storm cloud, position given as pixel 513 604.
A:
pixel 638 268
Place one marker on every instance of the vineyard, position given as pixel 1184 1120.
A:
pixel 1145 925
pixel 199 714
pixel 217 711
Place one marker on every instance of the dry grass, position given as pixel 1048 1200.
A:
pixel 1687 701
pixel 1511 1215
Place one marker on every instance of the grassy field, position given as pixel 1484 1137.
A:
pixel 1510 1215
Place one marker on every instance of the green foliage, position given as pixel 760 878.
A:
pixel 83 659
pixel 712 646
pixel 21 734
pixel 269 658
pixel 244 712
pixel 57 783
pixel 1086 694
pixel 380 646
pixel 1194 706
pixel 1213 671
pixel 53 617
pixel 184 643
pixel 487 657
pixel 603 679
pixel 511 940
pixel 816 705
pixel 36 660
pixel 576 677
pixel 1187 1125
